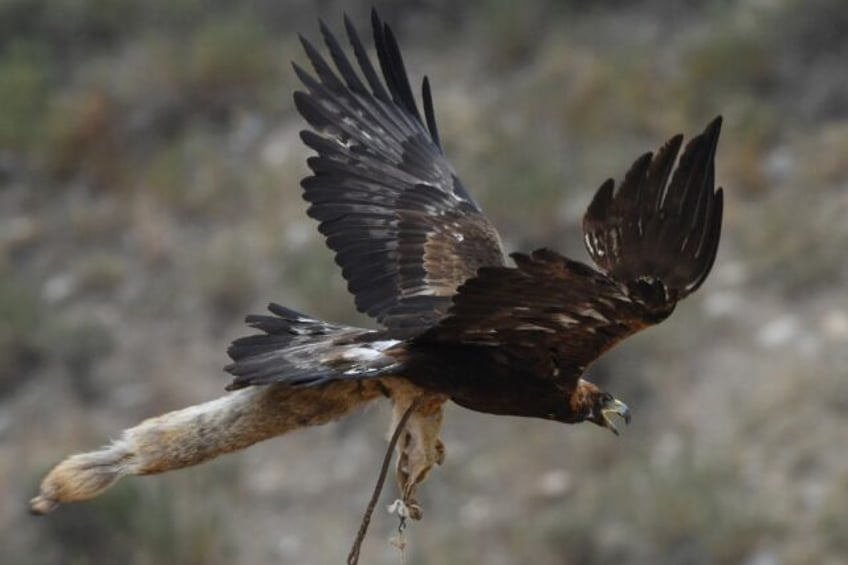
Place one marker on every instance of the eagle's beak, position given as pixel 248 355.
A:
pixel 617 407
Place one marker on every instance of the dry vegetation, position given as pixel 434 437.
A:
pixel 148 200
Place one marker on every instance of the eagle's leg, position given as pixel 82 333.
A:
pixel 419 447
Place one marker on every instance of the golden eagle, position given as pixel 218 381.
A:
pixel 421 258
pixel 457 321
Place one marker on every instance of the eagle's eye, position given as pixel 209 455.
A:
pixel 606 397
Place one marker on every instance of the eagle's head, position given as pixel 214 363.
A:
pixel 598 406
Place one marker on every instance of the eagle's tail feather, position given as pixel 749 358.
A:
pixel 302 351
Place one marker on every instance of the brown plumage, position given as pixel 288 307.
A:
pixel 419 256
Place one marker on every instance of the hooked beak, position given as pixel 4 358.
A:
pixel 617 407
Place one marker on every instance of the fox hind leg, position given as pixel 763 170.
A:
pixel 419 448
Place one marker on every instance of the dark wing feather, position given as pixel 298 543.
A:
pixel 405 231
pixel 660 237
pixel 656 243
pixel 551 315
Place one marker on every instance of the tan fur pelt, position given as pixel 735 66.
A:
pixel 239 419
pixel 198 433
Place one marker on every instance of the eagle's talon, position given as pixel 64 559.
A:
pixel 415 512
pixel 441 453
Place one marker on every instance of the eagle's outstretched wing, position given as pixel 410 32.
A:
pixel 655 241
pixel 660 238
pixel 404 230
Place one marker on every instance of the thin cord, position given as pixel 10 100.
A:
pixel 353 556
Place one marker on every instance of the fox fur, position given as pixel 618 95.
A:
pixel 238 420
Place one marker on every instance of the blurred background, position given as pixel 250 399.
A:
pixel 149 199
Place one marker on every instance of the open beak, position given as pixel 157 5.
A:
pixel 618 408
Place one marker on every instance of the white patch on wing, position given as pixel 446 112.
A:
pixel 564 320
pixel 424 291
pixel 346 143
pixel 590 244
pixel 592 313
pixel 604 301
pixel 370 351
pixel 534 327
pixel 361 354
pixel 358 371
pixel 615 242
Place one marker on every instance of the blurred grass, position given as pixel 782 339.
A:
pixel 160 520
pixel 20 347
pixel 684 512
pixel 25 68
